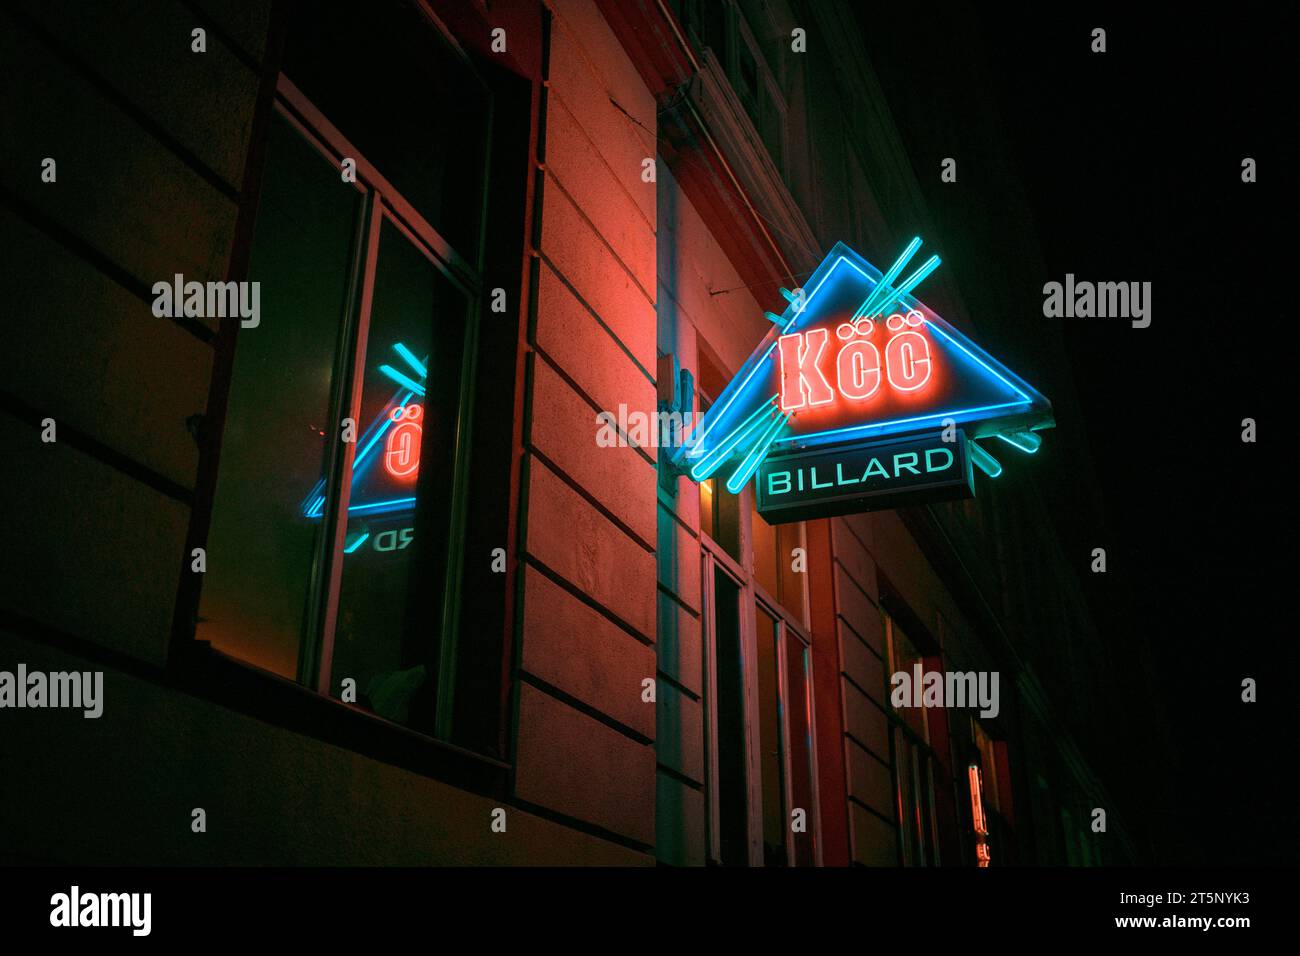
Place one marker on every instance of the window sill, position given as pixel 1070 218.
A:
pixel 211 675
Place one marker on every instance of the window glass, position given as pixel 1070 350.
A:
pixel 706 507
pixel 394 565
pixel 720 515
pixel 988 761
pixel 801 747
pixel 905 796
pixel 771 128
pixel 260 547
pixel 903 656
pixel 914 792
pixel 767 558
pixel 748 79
pixel 773 547
pixel 431 145
pixel 733 780
pixel 789 537
pixel 771 749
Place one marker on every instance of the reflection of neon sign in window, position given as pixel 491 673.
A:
pixel 394 437
pixel 402 450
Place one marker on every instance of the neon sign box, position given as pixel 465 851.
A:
pixel 857 361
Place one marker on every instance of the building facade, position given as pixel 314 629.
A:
pixel 364 585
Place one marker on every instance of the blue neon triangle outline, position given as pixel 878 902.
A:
pixel 736 400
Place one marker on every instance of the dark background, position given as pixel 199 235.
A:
pixel 1126 166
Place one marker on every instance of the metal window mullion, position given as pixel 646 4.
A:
pixel 709 622
pixel 783 710
pixel 752 704
pixel 357 334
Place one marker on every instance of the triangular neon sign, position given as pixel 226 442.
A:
pixel 854 358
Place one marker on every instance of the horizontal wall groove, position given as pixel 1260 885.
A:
pixel 854 581
pixel 142 119
pixel 590 498
pixel 849 678
pixel 680 777
pixel 852 630
pixel 849 735
pixel 650 299
pixel 564 376
pixel 678 601
pixel 856 537
pixel 672 513
pixel 583 707
pixel 78 440
pixel 226 39
pixel 582 826
pixel 678 686
pixel 97 260
pixel 559 98
pixel 581 595
pixel 564 281
pixel 874 812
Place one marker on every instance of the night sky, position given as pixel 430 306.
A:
pixel 1126 166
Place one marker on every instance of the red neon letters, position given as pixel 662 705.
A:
pixel 402 451
pixel 857 364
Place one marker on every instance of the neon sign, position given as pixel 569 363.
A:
pixel 856 359
pixel 838 478
pixel 857 364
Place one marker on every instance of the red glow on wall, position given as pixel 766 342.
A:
pixel 402 449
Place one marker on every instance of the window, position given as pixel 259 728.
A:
pixel 759 692
pixel 780 562
pixel 914 761
pixel 706 21
pixel 719 26
pixel 996 805
pixel 336 546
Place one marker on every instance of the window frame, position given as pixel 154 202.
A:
pixel 383 203
pixel 923 751
pixel 752 596
pixel 193 664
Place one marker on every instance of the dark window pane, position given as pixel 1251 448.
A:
pixel 903 658
pixel 261 546
pixel 390 605
pixel 791 594
pixel 398 92
pixel 774 547
pixel 771 755
pixel 706 507
pixel 748 87
pixel 732 783
pixel 766 557
pixel 904 783
pixel 726 518
pixel 801 776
